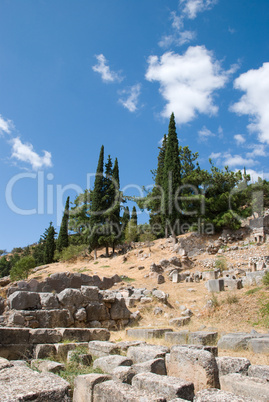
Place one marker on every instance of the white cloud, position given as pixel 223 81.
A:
pixel 178 37
pixel 25 153
pixel 192 7
pixel 131 101
pixel 255 101
pixel 187 82
pixel 257 150
pixel 254 175
pixel 215 155
pixel 102 68
pixel 205 133
pixel 5 126
pixel 237 161
pixel 240 139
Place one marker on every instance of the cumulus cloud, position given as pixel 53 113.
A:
pixel 103 68
pixel 240 139
pixel 192 7
pixel 257 150
pixel 26 153
pixel 187 82
pixel 5 126
pixel 130 97
pixel 233 161
pixel 255 101
pixel 179 36
pixel 205 133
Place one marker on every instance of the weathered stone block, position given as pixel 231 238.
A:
pixel 97 311
pixel 44 351
pixel 259 345
pixel 147 333
pixel 228 365
pixel 84 386
pixel 166 387
pixel 90 293
pixel 21 300
pixel 234 341
pixel 260 371
pixel 83 334
pixel 44 335
pixel 215 285
pixel 119 311
pixel 156 366
pixel 53 318
pixel 14 335
pixel 203 338
pixel 191 364
pixel 47 366
pixel 140 354
pixel 180 321
pixel 215 395
pixel 27 384
pixel 48 301
pixel 108 363
pixel 99 348
pixel 16 351
pixel 62 349
pixel 240 385
pixel 70 298
pixel 111 391
pixel 177 338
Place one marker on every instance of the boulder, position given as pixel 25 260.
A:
pixel 259 371
pixel 156 366
pixel 180 321
pixel 119 311
pixel 203 338
pixel 47 366
pixel 216 395
pixel 97 311
pixel 234 341
pixel 177 338
pixel 48 301
pixel 99 348
pixel 259 345
pixel 90 294
pixel 70 298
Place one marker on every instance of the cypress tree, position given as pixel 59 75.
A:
pixel 171 178
pixel 50 245
pixel 134 216
pixel 63 240
pixel 116 205
pixel 125 218
pixel 97 205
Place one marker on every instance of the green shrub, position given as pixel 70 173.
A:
pixel 221 263
pixel 73 252
pixel 215 301
pixel 264 310
pixel 22 268
pixel 125 278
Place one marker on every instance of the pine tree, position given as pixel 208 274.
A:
pixel 50 245
pixel 62 240
pixel 171 178
pixel 131 233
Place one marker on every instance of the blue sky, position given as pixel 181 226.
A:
pixel 78 74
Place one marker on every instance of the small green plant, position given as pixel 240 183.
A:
pixel 221 264
pixel 73 369
pixel 265 279
pixel 215 301
pixel 264 310
pixel 22 268
pixel 80 350
pixel 105 266
pixel 125 278
pixel 231 299
pixel 96 262
pixel 252 291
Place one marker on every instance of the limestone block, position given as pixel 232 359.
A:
pixel 228 365
pixel 251 387
pixel 31 385
pixel 203 338
pixel 14 335
pixel 119 311
pixel 21 300
pixel 216 395
pixel 97 311
pixel 44 335
pixel 48 301
pixel 260 371
pixel 192 364
pixel 259 345
pixel 62 349
pixel 100 348
pixel 215 285
pixel 44 351
pixel 47 366
pixel 147 333
pixel 140 354
pixel 111 391
pixel 70 298
pixel 234 341
pixel 180 321
pixel 108 363
pixel 90 293
pixel 177 338
pixel 166 387
pixel 156 366
pixel 84 386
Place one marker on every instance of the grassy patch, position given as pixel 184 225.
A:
pixel 252 291
pixel 105 266
pixel 265 279
pixel 221 264
pixel 96 262
pixel 231 299
pixel 73 369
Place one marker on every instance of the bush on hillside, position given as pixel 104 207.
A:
pixel 22 268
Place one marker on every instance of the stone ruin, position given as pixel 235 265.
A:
pixel 132 370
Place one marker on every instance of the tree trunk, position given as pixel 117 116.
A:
pixel 107 254
pixel 95 254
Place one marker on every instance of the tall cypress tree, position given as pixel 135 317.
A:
pixel 50 245
pixel 134 216
pixel 125 219
pixel 116 205
pixel 97 205
pixel 63 240
pixel 171 178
